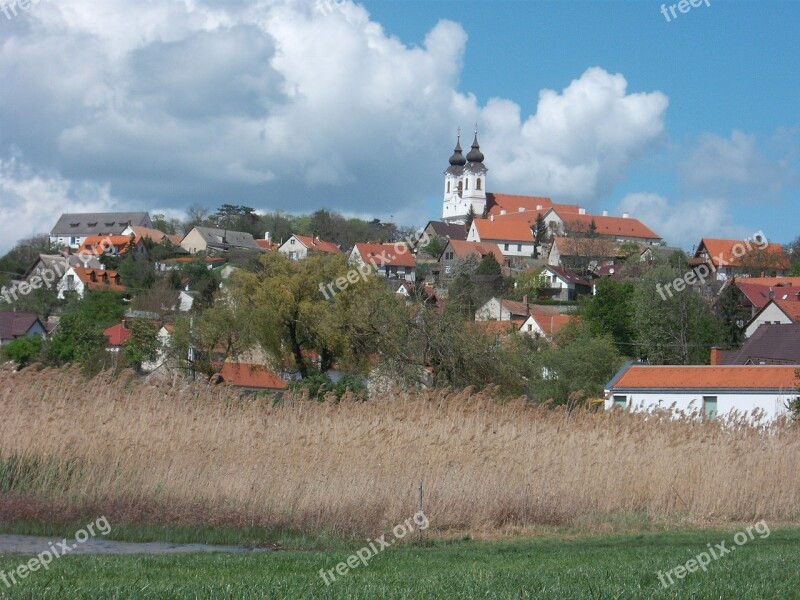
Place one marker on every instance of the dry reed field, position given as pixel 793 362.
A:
pixel 139 451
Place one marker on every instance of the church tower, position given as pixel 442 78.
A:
pixel 464 183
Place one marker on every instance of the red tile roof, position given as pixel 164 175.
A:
pixel 103 279
pixel 267 244
pixel 317 244
pixel 16 324
pixel 98 244
pixel 154 234
pixel 386 254
pixel 117 334
pixel 790 307
pixel 585 246
pixel 758 295
pixel 721 253
pixel 252 376
pixel 610 226
pixel 707 377
pixel 782 282
pixel 552 324
pixel 512 203
pixel 463 249
pixel 503 230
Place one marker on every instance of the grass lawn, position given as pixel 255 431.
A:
pixel 595 567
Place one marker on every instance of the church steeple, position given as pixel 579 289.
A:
pixel 458 160
pixel 464 182
pixel 475 155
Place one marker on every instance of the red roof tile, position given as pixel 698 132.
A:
pixel 98 282
pixel 252 376
pixel 503 230
pixel 317 244
pixel 512 203
pixel 722 253
pixel 611 226
pixel 463 249
pixel 790 307
pixel 98 244
pixel 707 377
pixel 117 334
pixel 267 244
pixel 386 254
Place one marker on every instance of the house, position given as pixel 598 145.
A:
pixel 563 284
pixel 72 229
pixel 770 345
pixel 531 206
pixel 15 325
pixel 582 253
pixel 112 245
pixel 777 311
pixel 514 238
pixel 297 246
pixel 657 252
pixel 186 300
pixel 499 309
pixel 449 231
pixel 458 250
pixel 582 224
pixel 82 279
pixel 117 335
pixel 713 391
pixel 251 377
pixel 393 261
pixel 737 258
pixel 154 235
pixel 209 239
pixel 49 268
pixel 755 296
pixel 547 326
pixel 164 337
pixel 267 243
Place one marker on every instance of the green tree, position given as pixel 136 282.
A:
pixel 541 234
pixel 529 283
pixel 610 312
pixel 732 317
pixel 435 246
pixel 23 350
pixel 136 272
pixel 144 344
pixel 470 217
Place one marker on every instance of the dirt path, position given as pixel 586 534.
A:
pixel 27 544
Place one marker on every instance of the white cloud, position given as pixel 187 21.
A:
pixel 291 104
pixel 683 223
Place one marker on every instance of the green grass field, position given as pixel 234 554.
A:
pixel 594 567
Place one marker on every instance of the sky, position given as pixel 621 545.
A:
pixel 689 122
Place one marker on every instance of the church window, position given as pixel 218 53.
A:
pixel 466 184
pixel 478 184
pixel 448 187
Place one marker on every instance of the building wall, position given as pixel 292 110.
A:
pixel 194 242
pixel 492 311
pixel 65 286
pixel 771 314
pixel 773 404
pixel 293 249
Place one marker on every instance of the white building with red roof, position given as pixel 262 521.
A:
pixel 393 261
pixel 298 246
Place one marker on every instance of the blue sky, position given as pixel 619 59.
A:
pixel 691 125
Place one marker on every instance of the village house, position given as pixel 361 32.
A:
pixel 547 326
pixel 777 311
pixel 250 378
pixel 14 325
pixel 448 231
pixel 298 246
pixel 156 236
pixel 770 345
pixel 209 239
pixel 563 284
pixel 741 258
pixel 386 260
pixel 458 250
pixel 711 391
pixel 499 309
pixel 83 279
pixel 581 253
pixel 619 229
pixel 513 238
pixel 72 229
pixel 112 245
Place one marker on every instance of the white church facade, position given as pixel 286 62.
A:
pixel 464 184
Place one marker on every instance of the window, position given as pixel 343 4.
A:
pixel 478 184
pixel 621 401
pixel 530 327
pixel 447 269
pixel 519 247
pixel 291 242
pixel 710 406
pixel 466 184
pixel 505 247
pixel 448 187
pixel 460 186
pixel 448 256
pixel 293 255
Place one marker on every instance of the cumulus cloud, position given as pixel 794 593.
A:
pixel 683 223
pixel 290 104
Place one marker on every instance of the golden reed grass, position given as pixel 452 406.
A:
pixel 200 455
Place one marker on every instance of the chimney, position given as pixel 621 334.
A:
pixel 502 211
pixel 491 217
pixel 267 236
pixel 581 211
pixel 716 356
pixel 538 207
pixel 521 209
pixel 605 213
pixel 626 216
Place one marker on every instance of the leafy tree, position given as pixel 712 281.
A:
pixel 435 246
pixel 470 217
pixel 15 262
pixel 168 226
pixel 196 215
pixel 144 344
pixel 23 350
pixel 610 313
pixel 489 266
pixel 732 317
pixel 529 283
pixel 136 272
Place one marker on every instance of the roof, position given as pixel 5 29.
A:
pixel 594 247
pixel 154 234
pixel 505 231
pixel 98 283
pixel 759 295
pixel 723 253
pixel 568 275
pixel 625 227
pixel 773 281
pixel 98 244
pixel 117 334
pixel 728 377
pixel 462 249
pixel 237 239
pixel 314 243
pixel 17 324
pixel 98 223
pixel 516 308
pixel 453 231
pixel 267 244
pixel 385 255
pixel 551 324
pixel 251 376
pixel 512 203
pixel 791 308
pixel 770 344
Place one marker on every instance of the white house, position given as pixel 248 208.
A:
pixel 513 237
pixel 498 309
pixel 564 284
pixel 164 335
pixel 546 326
pixel 393 261
pixel 297 246
pixel 778 312
pixel 713 391
pixel 72 229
